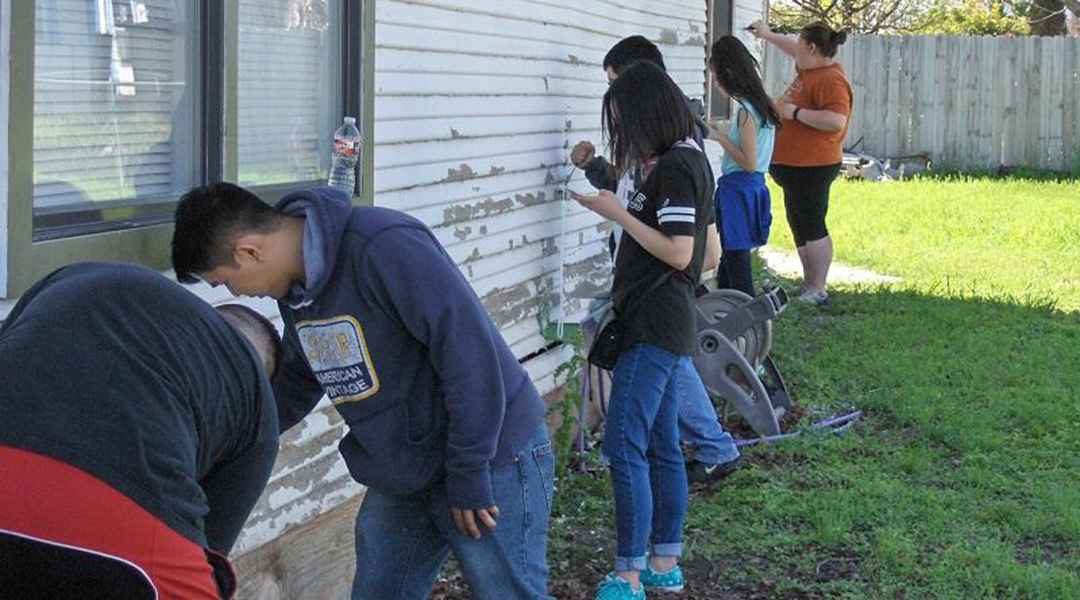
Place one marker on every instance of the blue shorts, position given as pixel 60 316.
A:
pixel 743 210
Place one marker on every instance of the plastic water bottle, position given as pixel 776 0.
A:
pixel 346 155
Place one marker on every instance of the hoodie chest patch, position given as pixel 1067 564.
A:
pixel 338 355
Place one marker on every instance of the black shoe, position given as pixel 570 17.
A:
pixel 698 472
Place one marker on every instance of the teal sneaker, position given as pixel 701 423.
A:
pixel 617 588
pixel 668 581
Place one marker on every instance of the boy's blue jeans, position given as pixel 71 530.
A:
pixel 641 445
pixel 698 424
pixel 402 542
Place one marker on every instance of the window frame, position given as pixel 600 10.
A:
pixel 714 97
pixel 27 259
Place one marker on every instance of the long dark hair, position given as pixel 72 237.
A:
pixel 827 39
pixel 739 74
pixel 645 114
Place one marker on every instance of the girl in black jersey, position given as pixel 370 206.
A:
pixel 666 228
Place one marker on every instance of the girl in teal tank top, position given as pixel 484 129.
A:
pixel 743 205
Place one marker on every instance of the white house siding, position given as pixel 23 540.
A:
pixel 477 105
pixel 746 12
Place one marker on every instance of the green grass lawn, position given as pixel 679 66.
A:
pixel 978 237
pixel 963 479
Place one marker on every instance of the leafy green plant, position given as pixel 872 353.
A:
pixel 976 17
pixel 568 375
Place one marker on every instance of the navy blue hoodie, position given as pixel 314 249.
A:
pixel 389 328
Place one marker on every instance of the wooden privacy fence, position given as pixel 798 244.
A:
pixel 970 102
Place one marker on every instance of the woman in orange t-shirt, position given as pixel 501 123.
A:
pixel 815 111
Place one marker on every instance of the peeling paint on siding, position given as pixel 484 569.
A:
pixel 463 173
pixel 551 247
pixel 485 208
pixel 506 305
pixel 531 199
pixel 299 454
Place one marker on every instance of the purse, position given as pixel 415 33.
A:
pixel 607 346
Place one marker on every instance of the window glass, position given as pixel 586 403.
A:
pixel 115 100
pixel 288 89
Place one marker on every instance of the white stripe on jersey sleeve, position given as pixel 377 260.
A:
pixel 677 219
pixel 677 210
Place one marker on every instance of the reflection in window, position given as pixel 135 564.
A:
pixel 114 109
pixel 722 24
pixel 288 89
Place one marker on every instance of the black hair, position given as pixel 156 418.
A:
pixel 209 219
pixel 645 114
pixel 258 330
pixel 827 39
pixel 738 73
pixel 630 50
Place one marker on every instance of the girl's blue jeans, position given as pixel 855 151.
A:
pixel 641 446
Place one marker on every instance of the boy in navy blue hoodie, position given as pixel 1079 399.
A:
pixel 445 427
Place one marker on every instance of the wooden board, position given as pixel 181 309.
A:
pixel 315 561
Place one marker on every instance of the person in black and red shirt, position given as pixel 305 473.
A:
pixel 667 226
pixel 139 428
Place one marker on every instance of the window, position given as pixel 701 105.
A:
pixel 721 19
pixel 117 107
pixel 115 89
pixel 288 90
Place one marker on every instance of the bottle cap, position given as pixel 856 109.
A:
pixel 350 120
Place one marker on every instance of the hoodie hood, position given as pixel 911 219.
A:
pixel 326 213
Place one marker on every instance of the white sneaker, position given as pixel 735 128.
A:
pixel 814 298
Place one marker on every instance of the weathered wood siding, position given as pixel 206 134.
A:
pixel 477 105
pixel 746 12
pixel 970 102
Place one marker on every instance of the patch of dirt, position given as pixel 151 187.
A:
pixel 706 579
pixel 724 577
pixel 740 429
pixel 1030 551
pixel 772 461
pixel 839 568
